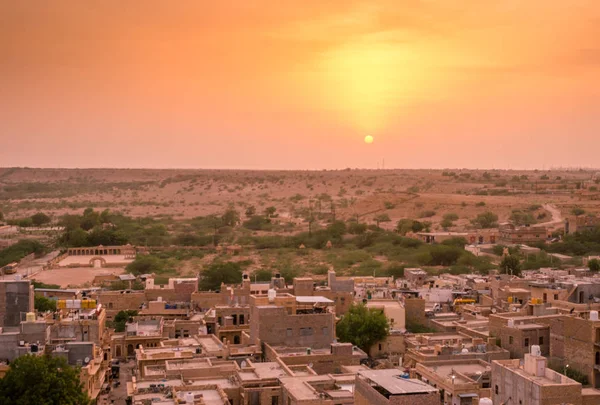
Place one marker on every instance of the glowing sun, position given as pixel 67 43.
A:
pixel 368 139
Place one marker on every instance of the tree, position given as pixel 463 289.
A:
pixel 121 319
pixel 356 228
pixel 486 220
pixel 43 304
pixel 577 211
pixel 257 223
pixel 270 212
pixel 511 265
pixel 90 219
pixel 594 265
pixel 251 211
pixel 40 219
pixel 363 327
pixel 337 229
pixel 43 380
pixel 217 273
pixel 145 264
pixel 262 275
pixel 381 218
pixel 230 218
pixel 443 255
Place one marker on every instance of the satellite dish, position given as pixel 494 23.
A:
pixel 86 360
pixel 310 365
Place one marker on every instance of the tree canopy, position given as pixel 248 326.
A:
pixel 43 304
pixel 217 273
pixel 511 265
pixel 42 380
pixel 363 327
pixel 486 220
pixel 40 219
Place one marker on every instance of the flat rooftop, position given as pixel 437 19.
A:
pixel 260 371
pixel 391 381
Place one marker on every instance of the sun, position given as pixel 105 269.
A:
pixel 368 139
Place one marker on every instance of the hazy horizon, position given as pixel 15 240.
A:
pixel 271 86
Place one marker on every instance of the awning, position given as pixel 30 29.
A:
pixel 468 395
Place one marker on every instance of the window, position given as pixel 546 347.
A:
pixel 545 299
pixel 288 332
pixel 325 331
pixel 526 342
pixel 496 390
pixel 379 346
pixel 343 300
pixel 241 319
pixel 274 400
pixel 541 340
pixel 555 296
pixel 219 321
pixel 510 340
pixel 234 317
pixel 306 331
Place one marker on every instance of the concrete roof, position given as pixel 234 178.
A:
pixel 391 381
pixel 313 300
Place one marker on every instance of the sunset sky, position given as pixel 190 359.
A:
pixel 298 84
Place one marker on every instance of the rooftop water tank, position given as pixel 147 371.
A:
pixel 593 315
pixel 159 299
pixel 30 317
pixel 535 350
pixel 485 401
pixel 511 323
pixel 272 294
pixel 189 398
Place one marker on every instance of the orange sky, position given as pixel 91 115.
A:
pixel 298 84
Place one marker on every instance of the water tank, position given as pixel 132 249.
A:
pixel 189 398
pixel 30 317
pixel 18 277
pixel 465 351
pixel 593 315
pixel 272 294
pixel 511 323
pixel 159 299
pixel 485 401
pixel 535 350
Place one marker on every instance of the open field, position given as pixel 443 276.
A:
pixel 73 276
pixel 355 193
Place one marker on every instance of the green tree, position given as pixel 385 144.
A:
pixel 381 218
pixel 40 219
pixel 105 217
pixel 217 273
pixel 121 319
pixel 90 219
pixel 356 228
pixel 443 255
pixel 511 265
pixel 230 218
pixel 250 211
pixel 486 220
pixel 594 265
pixel 337 229
pixel 270 212
pixel 262 275
pixel 146 264
pixel 43 304
pixel 75 238
pixel 42 380
pixel 577 211
pixel 363 327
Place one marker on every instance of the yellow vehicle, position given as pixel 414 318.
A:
pixel 10 268
pixel 463 301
